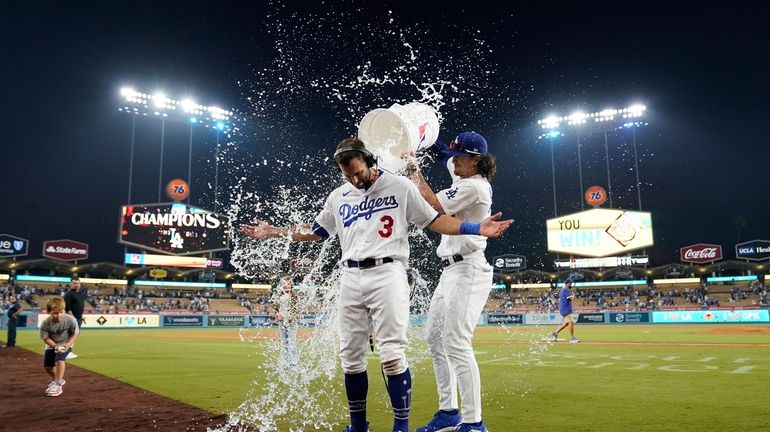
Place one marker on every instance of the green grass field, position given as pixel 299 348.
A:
pixel 622 378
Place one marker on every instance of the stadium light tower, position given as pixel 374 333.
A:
pixel 158 105
pixel 551 122
pixel 604 121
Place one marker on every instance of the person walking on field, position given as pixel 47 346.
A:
pixel 565 310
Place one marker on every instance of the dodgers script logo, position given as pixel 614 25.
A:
pixel 365 209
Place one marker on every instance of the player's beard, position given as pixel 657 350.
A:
pixel 366 184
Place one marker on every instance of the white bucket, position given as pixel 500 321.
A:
pixel 388 133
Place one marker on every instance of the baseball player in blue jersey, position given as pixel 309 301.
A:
pixel 464 285
pixel 565 310
pixel 370 214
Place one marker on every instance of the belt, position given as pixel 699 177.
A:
pixel 367 263
pixel 451 260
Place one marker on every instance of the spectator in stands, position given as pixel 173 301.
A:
pixel 58 332
pixel 74 301
pixel 565 310
pixel 13 309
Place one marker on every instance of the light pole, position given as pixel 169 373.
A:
pixel 604 121
pixel 216 169
pixel 162 142
pixel 131 158
pixel 553 175
pixel 607 158
pixel 580 173
pixel 158 105
pixel 636 168
pixel 189 164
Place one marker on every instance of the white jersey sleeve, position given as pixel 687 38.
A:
pixel 324 224
pixel 418 211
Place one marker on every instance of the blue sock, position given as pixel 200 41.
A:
pixel 451 412
pixel 356 387
pixel 400 390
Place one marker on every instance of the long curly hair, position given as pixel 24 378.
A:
pixel 487 166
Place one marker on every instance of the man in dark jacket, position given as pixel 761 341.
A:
pixel 74 302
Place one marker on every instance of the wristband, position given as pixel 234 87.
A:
pixel 470 228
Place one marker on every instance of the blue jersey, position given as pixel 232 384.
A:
pixel 13 308
pixel 565 303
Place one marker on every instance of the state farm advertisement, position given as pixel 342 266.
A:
pixel 65 250
pixel 700 253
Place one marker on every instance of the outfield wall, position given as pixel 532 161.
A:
pixel 31 320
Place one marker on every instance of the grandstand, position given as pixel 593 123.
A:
pixel 527 291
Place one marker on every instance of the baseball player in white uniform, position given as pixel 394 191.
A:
pixel 370 215
pixel 464 284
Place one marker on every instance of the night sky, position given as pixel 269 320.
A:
pixel 702 72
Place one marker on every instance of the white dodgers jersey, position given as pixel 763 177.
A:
pixel 374 223
pixel 468 199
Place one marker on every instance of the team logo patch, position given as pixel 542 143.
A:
pixel 451 193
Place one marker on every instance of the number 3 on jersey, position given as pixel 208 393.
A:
pixel 387 229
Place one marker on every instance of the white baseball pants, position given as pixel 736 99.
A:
pixel 454 312
pixel 382 293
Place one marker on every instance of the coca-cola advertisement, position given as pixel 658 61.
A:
pixel 700 253
pixel 65 250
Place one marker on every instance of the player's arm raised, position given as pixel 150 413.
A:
pixel 416 176
pixel 261 229
pixel 489 227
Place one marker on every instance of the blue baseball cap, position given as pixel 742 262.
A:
pixel 468 144
pixel 568 281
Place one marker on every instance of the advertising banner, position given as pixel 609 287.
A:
pixel 629 317
pixel 173 228
pixel 12 246
pixel 113 320
pixel 165 260
pixel 590 318
pixel 496 319
pixel 600 232
pixel 261 320
pixel 225 320
pixel 542 318
pixel 65 250
pixel 700 253
pixel 712 316
pixel 604 262
pixel 674 271
pixel 755 250
pixel 182 320
pixel 509 263
pixel 158 273
pixel 624 273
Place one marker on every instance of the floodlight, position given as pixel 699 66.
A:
pixel 159 99
pixel 127 92
pixel 188 105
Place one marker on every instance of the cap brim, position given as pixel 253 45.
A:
pixel 453 153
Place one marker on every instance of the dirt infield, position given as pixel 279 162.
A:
pixel 90 402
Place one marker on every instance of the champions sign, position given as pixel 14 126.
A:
pixel 600 232
pixel 173 228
